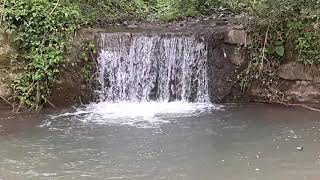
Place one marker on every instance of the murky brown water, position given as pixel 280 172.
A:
pixel 241 142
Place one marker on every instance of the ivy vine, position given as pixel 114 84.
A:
pixel 42 31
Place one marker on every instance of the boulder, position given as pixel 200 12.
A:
pixel 236 57
pixel 237 37
pixel 304 92
pixel 295 71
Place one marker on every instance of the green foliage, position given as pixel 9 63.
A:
pixel 41 29
pixel 105 11
pixel 292 22
pixel 168 10
pixel 88 54
pixel 282 31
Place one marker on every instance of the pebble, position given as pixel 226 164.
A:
pixel 300 148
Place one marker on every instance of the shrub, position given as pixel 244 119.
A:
pixel 41 31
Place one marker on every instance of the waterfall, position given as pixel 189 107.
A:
pixel 137 67
pixel 147 79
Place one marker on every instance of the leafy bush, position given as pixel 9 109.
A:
pixel 106 11
pixel 290 22
pixel 282 31
pixel 41 29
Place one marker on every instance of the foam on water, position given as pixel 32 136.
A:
pixel 142 115
pixel 145 80
pixel 142 68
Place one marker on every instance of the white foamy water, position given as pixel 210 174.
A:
pixel 145 80
pixel 140 68
pixel 142 115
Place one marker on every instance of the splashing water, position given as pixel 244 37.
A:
pixel 144 78
pixel 142 115
pixel 140 68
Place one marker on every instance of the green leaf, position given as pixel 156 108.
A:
pixel 280 50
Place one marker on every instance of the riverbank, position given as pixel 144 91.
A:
pixel 227 41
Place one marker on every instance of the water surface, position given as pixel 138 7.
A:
pixel 237 142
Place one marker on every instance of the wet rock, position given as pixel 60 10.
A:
pixel 295 71
pixel 237 37
pixel 300 148
pixel 221 72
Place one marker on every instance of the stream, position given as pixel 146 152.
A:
pixel 191 141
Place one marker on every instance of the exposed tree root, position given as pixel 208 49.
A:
pixel 290 104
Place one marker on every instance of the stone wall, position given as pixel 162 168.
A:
pixel 72 87
pixel 299 83
pixel 69 89
pixel 226 60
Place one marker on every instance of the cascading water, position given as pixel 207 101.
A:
pixel 144 68
pixel 147 79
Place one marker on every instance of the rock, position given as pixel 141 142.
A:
pixel 316 79
pixel 236 57
pixel 295 71
pixel 240 19
pixel 258 92
pixel 221 71
pixel 237 37
pixel 6 50
pixel 239 27
pixel 7 68
pixel 5 91
pixel 300 148
pixel 132 26
pixel 304 92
